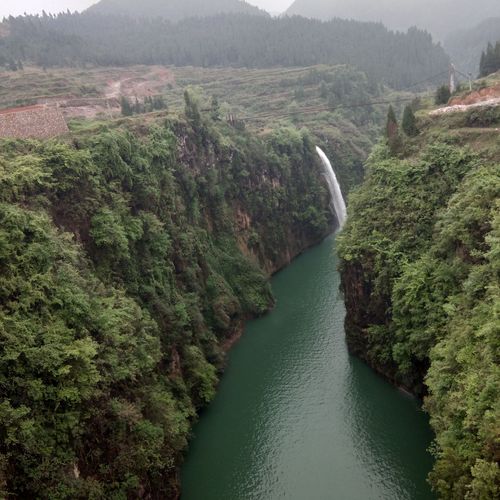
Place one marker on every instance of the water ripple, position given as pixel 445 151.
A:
pixel 296 418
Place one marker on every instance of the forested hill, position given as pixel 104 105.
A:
pixel 173 9
pixel 398 59
pixel 440 17
pixel 421 275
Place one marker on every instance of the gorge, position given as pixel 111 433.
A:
pixel 188 306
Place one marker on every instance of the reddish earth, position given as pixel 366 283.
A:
pixel 487 97
pixel 134 83
pixel 477 96
pixel 21 109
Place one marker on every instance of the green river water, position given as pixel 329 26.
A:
pixel 297 418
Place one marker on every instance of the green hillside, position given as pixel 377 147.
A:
pixel 421 277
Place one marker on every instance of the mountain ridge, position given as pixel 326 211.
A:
pixel 442 19
pixel 174 10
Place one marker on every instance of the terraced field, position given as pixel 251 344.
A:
pixel 333 102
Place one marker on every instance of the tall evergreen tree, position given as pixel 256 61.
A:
pixel 125 106
pixel 215 109
pixel 490 60
pixel 391 128
pixel 409 123
pixel 392 131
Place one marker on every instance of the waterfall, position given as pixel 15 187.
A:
pixel 337 200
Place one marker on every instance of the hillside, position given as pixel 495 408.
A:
pixel 440 17
pixel 420 272
pixel 173 10
pixel 227 40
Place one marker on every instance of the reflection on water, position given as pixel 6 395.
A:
pixel 297 418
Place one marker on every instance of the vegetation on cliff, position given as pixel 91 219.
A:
pixel 421 275
pixel 128 257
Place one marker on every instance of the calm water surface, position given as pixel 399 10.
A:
pixel 297 418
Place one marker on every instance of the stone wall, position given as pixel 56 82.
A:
pixel 38 122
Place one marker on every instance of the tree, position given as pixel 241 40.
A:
pixel 392 131
pixel 490 60
pixel 215 109
pixel 323 89
pixel 409 122
pixel 443 95
pixel 159 102
pixel 391 128
pixel 126 107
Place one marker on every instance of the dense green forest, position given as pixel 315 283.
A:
pixel 490 59
pixel 439 17
pixel 421 276
pixel 173 9
pixel 128 258
pixel 398 59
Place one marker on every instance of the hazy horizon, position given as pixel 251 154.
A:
pixel 16 8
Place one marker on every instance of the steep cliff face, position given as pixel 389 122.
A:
pixel 421 283
pixel 128 260
pixel 364 309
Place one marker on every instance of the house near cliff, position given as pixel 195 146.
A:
pixel 32 122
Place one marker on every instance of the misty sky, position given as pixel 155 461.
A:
pixel 16 7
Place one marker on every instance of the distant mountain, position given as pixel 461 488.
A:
pixel 174 10
pixel 465 46
pixel 440 17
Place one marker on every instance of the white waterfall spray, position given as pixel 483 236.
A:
pixel 337 200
